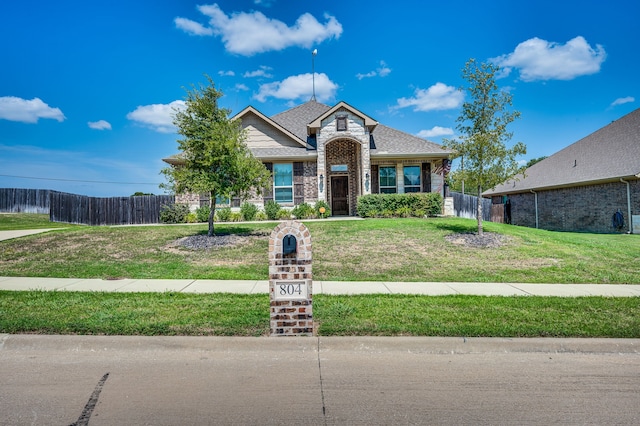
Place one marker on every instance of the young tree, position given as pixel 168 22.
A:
pixel 214 158
pixel 482 125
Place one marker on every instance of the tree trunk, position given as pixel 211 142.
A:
pixel 479 210
pixel 212 212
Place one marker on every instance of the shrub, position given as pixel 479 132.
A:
pixel 261 215
pixel 322 205
pixel 248 211
pixel 284 214
pixel 403 212
pixel 174 213
pixel 223 214
pixel 271 208
pixel 191 218
pixel 405 205
pixel 302 211
pixel 235 217
pixel 202 213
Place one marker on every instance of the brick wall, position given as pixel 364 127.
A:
pixel 290 316
pixel 581 209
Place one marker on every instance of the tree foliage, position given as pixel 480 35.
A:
pixel 482 126
pixel 214 158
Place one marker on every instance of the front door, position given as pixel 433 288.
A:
pixel 340 195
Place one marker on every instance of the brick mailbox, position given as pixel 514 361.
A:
pixel 290 280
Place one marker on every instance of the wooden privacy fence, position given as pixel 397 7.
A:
pixel 16 200
pixel 80 209
pixel 465 205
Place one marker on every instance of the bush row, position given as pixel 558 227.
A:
pixel 179 213
pixel 400 205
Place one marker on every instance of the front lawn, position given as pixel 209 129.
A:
pixel 359 250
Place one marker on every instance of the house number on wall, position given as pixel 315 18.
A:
pixel 290 290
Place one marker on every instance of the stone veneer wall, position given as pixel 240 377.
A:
pixel 344 151
pixel 329 134
pixel 290 317
pixel 582 208
pixel 193 200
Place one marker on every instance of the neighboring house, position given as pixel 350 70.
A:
pixel 592 185
pixel 335 154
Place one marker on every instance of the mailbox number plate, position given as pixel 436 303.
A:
pixel 291 290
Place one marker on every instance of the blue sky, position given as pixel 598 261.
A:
pixel 87 88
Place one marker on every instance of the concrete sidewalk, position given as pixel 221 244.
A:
pixel 320 287
pixel 9 235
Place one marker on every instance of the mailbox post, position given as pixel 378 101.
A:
pixel 290 280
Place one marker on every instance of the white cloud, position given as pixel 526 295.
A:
pixel 242 87
pixel 158 117
pixel 299 87
pixel 435 132
pixel 382 71
pixel 250 33
pixel 539 59
pixel 25 111
pixel 262 72
pixel 100 125
pixel 437 97
pixel 226 73
pixel 192 27
pixel 621 101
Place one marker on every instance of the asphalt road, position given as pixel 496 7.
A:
pixel 98 380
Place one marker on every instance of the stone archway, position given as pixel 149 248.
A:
pixel 343 159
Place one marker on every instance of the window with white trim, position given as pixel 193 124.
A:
pixel 411 179
pixel 387 179
pixel 283 182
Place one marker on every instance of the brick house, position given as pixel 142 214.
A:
pixel 586 187
pixel 337 153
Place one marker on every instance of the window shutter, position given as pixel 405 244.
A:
pixel 298 183
pixel 268 190
pixel 426 177
pixel 375 187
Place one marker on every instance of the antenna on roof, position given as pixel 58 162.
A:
pixel 313 72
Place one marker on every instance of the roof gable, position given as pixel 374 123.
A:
pixel 610 153
pixel 250 114
pixel 369 122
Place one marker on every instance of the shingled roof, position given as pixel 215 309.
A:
pixel 608 154
pixel 387 142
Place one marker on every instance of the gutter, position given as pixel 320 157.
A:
pixel 630 219
pixel 536 196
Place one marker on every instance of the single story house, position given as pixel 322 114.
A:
pixel 335 154
pixel 592 185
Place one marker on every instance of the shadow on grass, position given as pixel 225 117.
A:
pixel 460 228
pixel 235 230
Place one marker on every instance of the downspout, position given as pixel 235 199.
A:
pixel 629 218
pixel 536 197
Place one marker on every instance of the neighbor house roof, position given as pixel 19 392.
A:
pixel 608 154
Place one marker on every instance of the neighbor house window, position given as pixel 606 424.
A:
pixel 283 182
pixel 387 180
pixel 341 123
pixel 411 178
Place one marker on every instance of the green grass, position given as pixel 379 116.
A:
pixel 365 250
pixel 16 221
pixel 104 313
